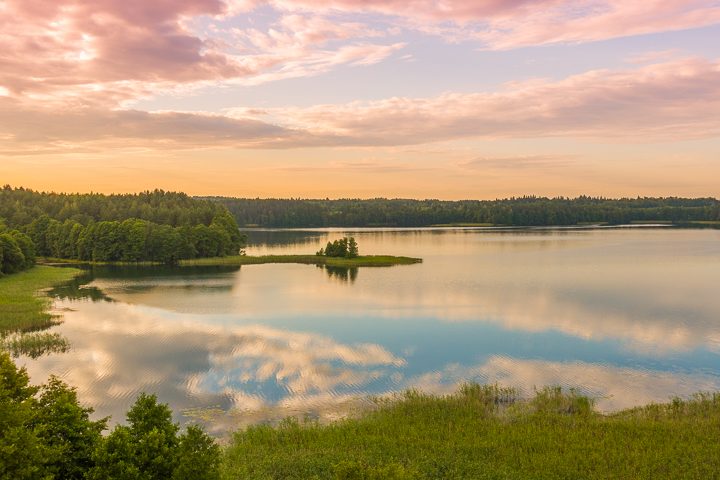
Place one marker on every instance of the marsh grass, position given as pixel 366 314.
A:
pixel 34 344
pixel 23 306
pixel 487 432
pixel 24 311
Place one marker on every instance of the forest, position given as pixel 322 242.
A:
pixel 520 211
pixel 152 226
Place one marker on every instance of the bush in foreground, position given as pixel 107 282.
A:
pixel 46 434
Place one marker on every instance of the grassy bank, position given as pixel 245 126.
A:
pixel 361 261
pixel 487 433
pixel 22 305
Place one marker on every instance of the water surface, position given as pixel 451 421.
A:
pixel 628 316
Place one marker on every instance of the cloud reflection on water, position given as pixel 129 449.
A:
pixel 119 350
pixel 251 373
pixel 266 341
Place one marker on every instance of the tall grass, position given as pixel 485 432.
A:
pixel 24 311
pixel 486 432
pixel 34 344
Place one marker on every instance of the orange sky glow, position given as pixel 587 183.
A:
pixel 299 98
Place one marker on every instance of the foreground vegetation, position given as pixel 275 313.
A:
pixel 46 434
pixel 519 211
pixel 483 432
pixel 480 432
pixel 359 261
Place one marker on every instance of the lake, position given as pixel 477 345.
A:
pixel 626 315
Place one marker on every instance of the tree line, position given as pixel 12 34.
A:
pixel 151 226
pixel 46 434
pixel 516 211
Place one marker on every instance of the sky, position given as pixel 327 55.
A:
pixel 449 99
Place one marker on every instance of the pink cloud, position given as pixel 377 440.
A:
pixel 62 50
pixel 108 52
pixel 654 103
pixel 499 24
pixel 108 40
pixel 27 131
pixel 658 102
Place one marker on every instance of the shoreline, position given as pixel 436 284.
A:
pixel 239 260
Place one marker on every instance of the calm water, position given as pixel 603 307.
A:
pixel 626 315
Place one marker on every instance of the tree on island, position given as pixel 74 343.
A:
pixel 345 247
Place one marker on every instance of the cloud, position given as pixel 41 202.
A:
pixel 32 130
pixel 520 23
pixel 118 51
pixel 110 52
pixel 54 44
pixel 190 363
pixel 654 103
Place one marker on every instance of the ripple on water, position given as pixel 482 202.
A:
pixel 604 312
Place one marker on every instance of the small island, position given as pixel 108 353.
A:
pixel 339 253
pixel 359 261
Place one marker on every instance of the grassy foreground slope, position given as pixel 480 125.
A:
pixel 487 433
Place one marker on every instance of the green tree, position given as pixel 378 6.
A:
pixel 115 458
pixel 145 449
pixel 154 436
pixel 227 223
pixel 344 247
pixel 22 453
pixel 13 259
pixel 37 230
pixel 197 456
pixel 149 448
pixel 353 250
pixel 27 247
pixel 65 428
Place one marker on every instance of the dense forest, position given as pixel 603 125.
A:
pixel 150 226
pixel 521 211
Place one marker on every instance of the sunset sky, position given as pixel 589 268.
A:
pixel 347 98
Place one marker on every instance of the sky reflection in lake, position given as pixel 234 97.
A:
pixel 628 316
